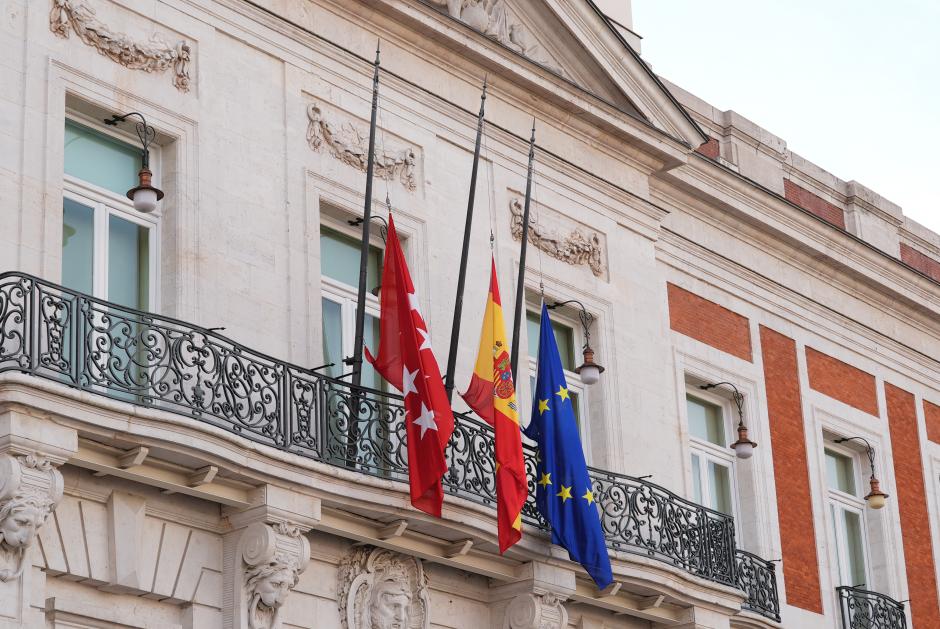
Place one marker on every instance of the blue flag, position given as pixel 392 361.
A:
pixel 564 494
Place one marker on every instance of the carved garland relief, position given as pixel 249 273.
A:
pixel 30 489
pixel 351 146
pixel 575 248
pixel 153 56
pixel 380 589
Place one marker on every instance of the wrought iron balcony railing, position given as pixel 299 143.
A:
pixel 863 609
pixel 153 361
pixel 757 577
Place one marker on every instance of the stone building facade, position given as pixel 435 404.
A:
pixel 158 471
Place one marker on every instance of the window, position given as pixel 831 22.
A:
pixel 339 266
pixel 564 338
pixel 713 482
pixel 847 513
pixel 108 249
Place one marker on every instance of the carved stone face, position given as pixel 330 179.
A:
pixel 391 606
pixel 19 527
pixel 273 589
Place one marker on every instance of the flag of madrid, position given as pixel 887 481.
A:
pixel 405 360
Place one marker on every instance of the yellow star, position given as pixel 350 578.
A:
pixel 589 496
pixel 564 494
pixel 545 480
pixel 543 406
pixel 562 392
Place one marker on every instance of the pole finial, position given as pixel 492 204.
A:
pixel 378 49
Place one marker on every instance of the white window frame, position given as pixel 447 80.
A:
pixel 707 451
pixel 106 203
pixel 838 501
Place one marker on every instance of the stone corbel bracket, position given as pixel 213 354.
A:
pixel 153 56
pixel 576 248
pixel 30 489
pixel 272 558
pixel 534 611
pixel 350 145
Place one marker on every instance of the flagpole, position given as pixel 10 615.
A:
pixel 356 358
pixel 462 275
pixel 520 285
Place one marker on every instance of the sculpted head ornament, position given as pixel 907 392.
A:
pixel 379 589
pixel 274 557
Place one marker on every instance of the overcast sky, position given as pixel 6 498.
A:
pixel 851 85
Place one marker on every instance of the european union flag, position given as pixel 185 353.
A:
pixel 564 495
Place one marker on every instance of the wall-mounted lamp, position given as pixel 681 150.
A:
pixel 743 447
pixel 589 370
pixel 144 196
pixel 875 498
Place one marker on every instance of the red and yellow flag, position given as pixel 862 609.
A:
pixel 492 396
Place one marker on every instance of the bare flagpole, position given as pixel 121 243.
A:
pixel 462 275
pixel 356 359
pixel 520 285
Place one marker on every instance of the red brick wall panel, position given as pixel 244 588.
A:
pixel 710 149
pixel 842 381
pixel 922 262
pixel 708 322
pixel 912 505
pixel 813 203
pixel 791 471
pixel 932 415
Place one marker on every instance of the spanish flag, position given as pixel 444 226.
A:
pixel 492 396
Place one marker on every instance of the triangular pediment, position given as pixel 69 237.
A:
pixel 572 39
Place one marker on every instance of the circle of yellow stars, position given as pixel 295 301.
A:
pixel 565 492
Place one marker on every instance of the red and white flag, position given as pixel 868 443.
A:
pixel 405 360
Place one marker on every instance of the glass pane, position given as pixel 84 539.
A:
pixel 719 486
pixel 78 246
pixel 100 159
pixel 333 337
pixel 696 478
pixel 706 421
pixel 128 263
pixel 855 553
pixel 576 407
pixel 840 472
pixel 370 335
pixel 339 259
pixel 564 338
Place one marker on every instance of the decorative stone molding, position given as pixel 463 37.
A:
pixel 380 589
pixel 154 56
pixel 30 489
pixel 272 558
pixel 534 611
pixel 493 19
pixel 575 248
pixel 351 146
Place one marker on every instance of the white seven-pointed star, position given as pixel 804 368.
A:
pixel 408 381
pixel 425 342
pixel 413 303
pixel 426 420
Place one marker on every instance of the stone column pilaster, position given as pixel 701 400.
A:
pixel 537 600
pixel 264 555
pixel 31 450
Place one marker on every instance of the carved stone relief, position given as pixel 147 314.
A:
pixel 30 489
pixel 533 611
pixel 273 556
pixel 380 589
pixel 350 145
pixel 493 19
pixel 578 247
pixel 153 56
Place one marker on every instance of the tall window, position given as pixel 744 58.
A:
pixel 846 511
pixel 713 483
pixel 565 339
pixel 339 265
pixel 108 249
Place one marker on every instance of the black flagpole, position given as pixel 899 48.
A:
pixel 520 285
pixel 356 358
pixel 462 275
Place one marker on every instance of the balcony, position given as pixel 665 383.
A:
pixel 863 609
pixel 59 335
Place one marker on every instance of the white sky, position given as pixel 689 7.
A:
pixel 851 85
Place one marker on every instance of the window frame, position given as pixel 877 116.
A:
pixel 707 451
pixel 838 501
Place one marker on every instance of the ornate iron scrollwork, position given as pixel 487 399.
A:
pixel 757 578
pixel 864 609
